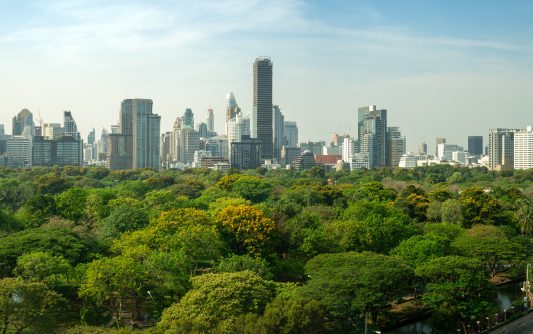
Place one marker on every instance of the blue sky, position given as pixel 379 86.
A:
pixel 441 68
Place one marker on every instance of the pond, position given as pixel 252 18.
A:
pixel 506 295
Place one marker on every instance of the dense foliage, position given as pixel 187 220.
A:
pixel 197 251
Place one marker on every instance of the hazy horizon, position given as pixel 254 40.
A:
pixel 448 69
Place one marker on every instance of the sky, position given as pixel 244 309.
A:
pixel 441 68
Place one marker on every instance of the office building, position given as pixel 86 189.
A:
pixel 347 149
pixel 523 149
pixel 314 147
pixel 218 146
pixel 246 153
pixel 237 127
pixel 202 130
pixel 262 106
pixel 396 146
pixel 91 137
pixel 278 121
pixel 290 134
pixel 188 118
pixel 306 160
pixel 444 151
pixel 372 132
pixel 437 142
pixel 423 149
pixel 52 130
pixel 138 123
pixel 232 108
pixel 501 149
pixel 189 142
pixel 119 151
pixel 164 155
pixel 210 120
pixel 289 154
pixel 22 120
pixel 475 145
pixel 18 150
pixel 2 131
pixel 65 151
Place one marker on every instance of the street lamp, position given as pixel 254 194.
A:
pixel 496 315
pixel 478 326
pixel 488 322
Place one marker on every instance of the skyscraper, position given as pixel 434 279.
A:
pixel 437 142
pixel 396 146
pixel 188 118
pixel 290 134
pixel 475 145
pixel 237 127
pixel 372 132
pixel 138 121
pixel 246 153
pixel 523 149
pixel 501 149
pixel 91 137
pixel 23 119
pixel 262 105
pixel 210 120
pixel 278 127
pixel 189 142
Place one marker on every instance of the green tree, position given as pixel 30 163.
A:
pixel 419 249
pixel 479 207
pixel 451 212
pixel 71 203
pixel 41 267
pixel 28 307
pixel 56 241
pixel 489 245
pixel 524 217
pixel 235 263
pixel 216 297
pixel 122 219
pixel 456 286
pixel 351 284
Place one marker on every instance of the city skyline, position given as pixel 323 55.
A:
pixel 450 67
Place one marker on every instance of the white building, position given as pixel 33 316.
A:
pixel 347 149
pixel 237 127
pixel 460 156
pixel 445 151
pixel 523 149
pixel 408 160
pixel 360 160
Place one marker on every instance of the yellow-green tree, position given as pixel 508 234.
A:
pixel 247 226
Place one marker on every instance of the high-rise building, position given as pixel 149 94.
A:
pixel 523 149
pixel 306 160
pixel 218 146
pixel 91 137
pixel 64 151
pixel 445 151
pixel 202 130
pixel 315 147
pixel 142 127
pixel 347 149
pixel 262 106
pixel 475 145
pixel 501 149
pixel 52 130
pixel 437 142
pixel 289 154
pixel 278 123
pixel 396 146
pixel 210 120
pixel 372 132
pixel 19 149
pixel 290 134
pixel 237 127
pixel 423 149
pixel 70 128
pixel 188 118
pixel 232 108
pixel 2 131
pixel 246 153
pixel 101 150
pixel 189 142
pixel 23 119
pixel 164 155
pixel 119 151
